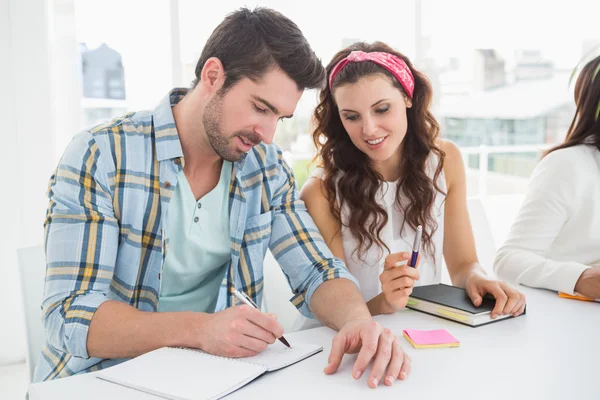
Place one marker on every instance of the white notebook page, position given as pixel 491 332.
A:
pixel 186 374
pixel 182 374
pixel 277 355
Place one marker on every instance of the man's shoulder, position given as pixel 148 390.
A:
pixel 264 156
pixel 127 139
pixel 264 167
pixel 131 124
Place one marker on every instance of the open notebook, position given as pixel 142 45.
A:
pixel 186 374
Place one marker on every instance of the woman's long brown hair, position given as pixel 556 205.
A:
pixel 585 127
pixel 349 173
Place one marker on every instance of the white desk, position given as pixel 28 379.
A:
pixel 551 353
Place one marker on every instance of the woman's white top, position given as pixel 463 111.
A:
pixel 556 235
pixel 397 236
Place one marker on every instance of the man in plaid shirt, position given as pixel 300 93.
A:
pixel 156 217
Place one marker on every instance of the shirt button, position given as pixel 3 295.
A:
pixel 167 185
pixel 196 219
pixel 199 205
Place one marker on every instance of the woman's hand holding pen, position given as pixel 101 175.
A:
pixel 397 282
pixel 240 331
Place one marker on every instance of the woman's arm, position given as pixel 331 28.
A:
pixel 459 243
pixel 550 201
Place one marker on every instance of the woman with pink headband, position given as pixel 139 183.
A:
pixel 384 173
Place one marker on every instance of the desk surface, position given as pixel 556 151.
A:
pixel 553 352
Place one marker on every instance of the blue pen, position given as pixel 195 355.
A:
pixel 416 246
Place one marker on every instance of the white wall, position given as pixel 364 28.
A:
pixel 35 99
pixel 11 341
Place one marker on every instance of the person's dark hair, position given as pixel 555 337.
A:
pixel 249 43
pixel 349 173
pixel 585 127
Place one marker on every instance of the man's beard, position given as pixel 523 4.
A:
pixel 222 145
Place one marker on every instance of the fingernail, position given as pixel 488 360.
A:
pixel 493 316
pixel 357 374
pixel 403 375
pixel 375 381
pixel 390 380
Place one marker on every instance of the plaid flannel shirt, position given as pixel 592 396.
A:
pixel 106 235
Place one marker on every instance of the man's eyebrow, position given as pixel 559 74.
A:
pixel 270 106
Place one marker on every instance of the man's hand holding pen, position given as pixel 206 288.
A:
pixel 241 331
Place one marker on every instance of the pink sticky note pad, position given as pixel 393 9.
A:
pixel 438 336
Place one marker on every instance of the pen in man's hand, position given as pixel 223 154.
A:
pixel 244 298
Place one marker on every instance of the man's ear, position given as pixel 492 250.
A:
pixel 212 76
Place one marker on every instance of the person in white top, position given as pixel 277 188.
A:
pixel 384 172
pixel 554 242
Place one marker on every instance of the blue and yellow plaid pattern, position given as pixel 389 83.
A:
pixel 106 233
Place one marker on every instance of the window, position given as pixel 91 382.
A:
pixel 504 89
pixel 120 67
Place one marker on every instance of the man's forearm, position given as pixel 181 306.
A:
pixel 337 302
pixel 119 330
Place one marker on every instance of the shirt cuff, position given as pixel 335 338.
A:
pixel 569 275
pixel 302 302
pixel 77 321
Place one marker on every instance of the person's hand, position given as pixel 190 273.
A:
pixel 374 343
pixel 397 282
pixel 240 331
pixel 588 284
pixel 508 299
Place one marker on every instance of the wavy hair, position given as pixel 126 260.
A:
pixel 585 127
pixel 348 172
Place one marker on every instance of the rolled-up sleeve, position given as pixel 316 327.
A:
pixel 297 244
pixel 81 234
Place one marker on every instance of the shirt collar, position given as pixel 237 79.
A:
pixel 166 136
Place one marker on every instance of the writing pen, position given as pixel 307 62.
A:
pixel 416 247
pixel 244 298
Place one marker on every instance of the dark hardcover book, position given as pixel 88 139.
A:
pixel 453 303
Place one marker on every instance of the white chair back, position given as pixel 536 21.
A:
pixel 277 294
pixel 484 239
pixel 32 265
